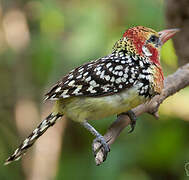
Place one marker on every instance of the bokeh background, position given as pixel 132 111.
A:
pixel 41 40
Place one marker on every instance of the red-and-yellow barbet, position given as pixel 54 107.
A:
pixel 130 75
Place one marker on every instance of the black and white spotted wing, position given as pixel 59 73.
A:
pixel 102 77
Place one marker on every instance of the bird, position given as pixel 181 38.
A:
pixel 111 85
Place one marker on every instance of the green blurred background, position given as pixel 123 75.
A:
pixel 41 40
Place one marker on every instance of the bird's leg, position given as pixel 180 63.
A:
pixel 132 117
pixel 99 138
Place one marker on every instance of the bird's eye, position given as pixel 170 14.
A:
pixel 154 39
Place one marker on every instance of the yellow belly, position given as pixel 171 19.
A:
pixel 91 108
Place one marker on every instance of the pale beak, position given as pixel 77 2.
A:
pixel 166 34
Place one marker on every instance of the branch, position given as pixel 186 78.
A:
pixel 172 84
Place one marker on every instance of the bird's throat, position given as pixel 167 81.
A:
pixel 155 57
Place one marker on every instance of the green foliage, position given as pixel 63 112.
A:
pixel 168 54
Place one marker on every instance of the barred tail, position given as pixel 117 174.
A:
pixel 30 140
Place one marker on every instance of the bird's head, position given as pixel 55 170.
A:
pixel 146 42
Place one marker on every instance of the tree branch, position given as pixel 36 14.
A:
pixel 172 84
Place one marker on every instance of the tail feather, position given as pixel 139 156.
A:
pixel 30 140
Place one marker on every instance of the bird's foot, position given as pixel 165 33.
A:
pixel 99 143
pixel 100 147
pixel 133 119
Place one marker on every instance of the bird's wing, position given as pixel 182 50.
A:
pixel 105 76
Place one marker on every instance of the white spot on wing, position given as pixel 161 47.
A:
pixel 78 77
pixel 93 83
pixel 120 86
pixel 108 65
pixel 107 77
pixel 70 76
pixel 118 80
pixel 71 83
pixel 125 76
pixel 112 79
pixel 58 89
pixel 102 74
pixel 120 73
pixel 86 73
pixel 80 70
pixel 88 79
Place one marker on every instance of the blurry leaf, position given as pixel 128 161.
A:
pixel 168 54
pixel 43 55
pixel 134 174
pixel 51 20
pixel 163 147
pixel 177 105
pixel 145 12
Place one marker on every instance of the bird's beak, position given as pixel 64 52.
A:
pixel 166 34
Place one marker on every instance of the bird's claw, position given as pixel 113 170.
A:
pixel 100 143
pixel 133 119
pixel 132 124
